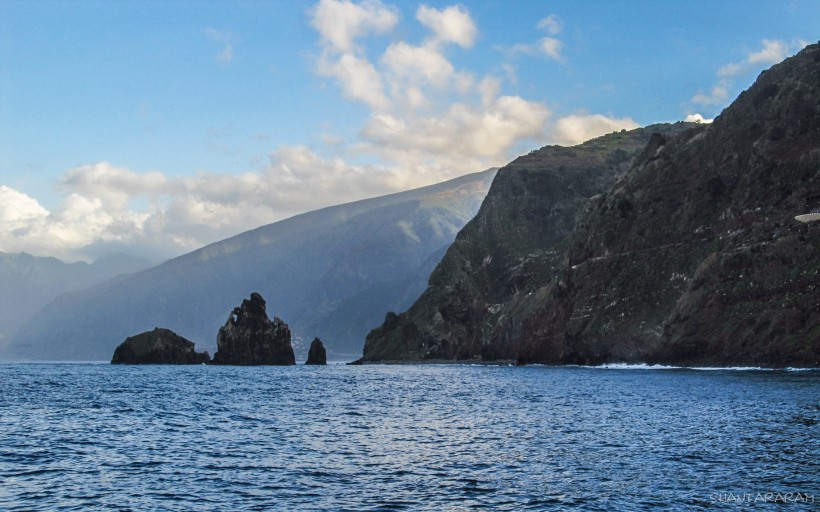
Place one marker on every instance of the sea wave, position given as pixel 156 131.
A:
pixel 644 366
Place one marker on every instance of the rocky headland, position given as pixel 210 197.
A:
pixel 673 245
pixel 160 346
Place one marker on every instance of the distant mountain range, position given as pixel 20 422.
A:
pixel 28 283
pixel 331 273
pixel 691 257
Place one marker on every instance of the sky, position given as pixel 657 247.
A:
pixel 154 127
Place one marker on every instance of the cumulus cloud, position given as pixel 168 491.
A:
pixel 108 207
pixel 574 129
pixel 428 121
pixel 407 63
pixel 360 81
pixel 341 22
pixel 68 230
pixel 697 118
pixel 114 186
pixel 771 52
pixel 17 208
pixel 450 25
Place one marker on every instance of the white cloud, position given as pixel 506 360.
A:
pixel 17 208
pixel 428 121
pixel 68 230
pixel 697 118
pixel 549 46
pixel 771 52
pixel 551 24
pixel 226 38
pixel 341 22
pixel 463 138
pixel 451 25
pixel 114 186
pixel 575 129
pixel 408 63
pixel 105 206
pixel 358 78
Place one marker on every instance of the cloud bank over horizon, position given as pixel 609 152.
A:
pixel 427 119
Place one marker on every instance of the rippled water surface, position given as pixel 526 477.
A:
pixel 84 436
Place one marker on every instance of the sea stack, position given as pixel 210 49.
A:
pixel 160 346
pixel 249 337
pixel 317 353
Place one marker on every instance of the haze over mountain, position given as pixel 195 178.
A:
pixel 30 282
pixel 330 273
pixel 692 257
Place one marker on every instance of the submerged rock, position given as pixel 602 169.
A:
pixel 317 353
pixel 160 346
pixel 249 337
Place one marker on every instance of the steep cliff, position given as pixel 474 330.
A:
pixel 693 257
pixel 510 248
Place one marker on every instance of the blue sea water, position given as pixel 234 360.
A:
pixel 426 437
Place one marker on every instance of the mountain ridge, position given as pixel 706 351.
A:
pixel 30 282
pixel 290 262
pixel 692 257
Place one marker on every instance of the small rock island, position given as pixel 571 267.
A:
pixel 317 353
pixel 160 346
pixel 249 337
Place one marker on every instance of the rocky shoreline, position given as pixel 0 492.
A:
pixel 248 338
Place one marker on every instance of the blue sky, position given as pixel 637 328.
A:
pixel 156 127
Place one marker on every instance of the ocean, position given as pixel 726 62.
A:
pixel 412 437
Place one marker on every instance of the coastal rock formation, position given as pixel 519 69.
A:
pixel 249 337
pixel 317 353
pixel 693 257
pixel 160 346
pixel 512 247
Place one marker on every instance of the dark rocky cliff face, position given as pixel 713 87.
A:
pixel 249 337
pixel 507 251
pixel 160 346
pixel 693 257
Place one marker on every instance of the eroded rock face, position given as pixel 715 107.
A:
pixel 249 337
pixel 317 353
pixel 691 257
pixel 160 346
pixel 510 249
